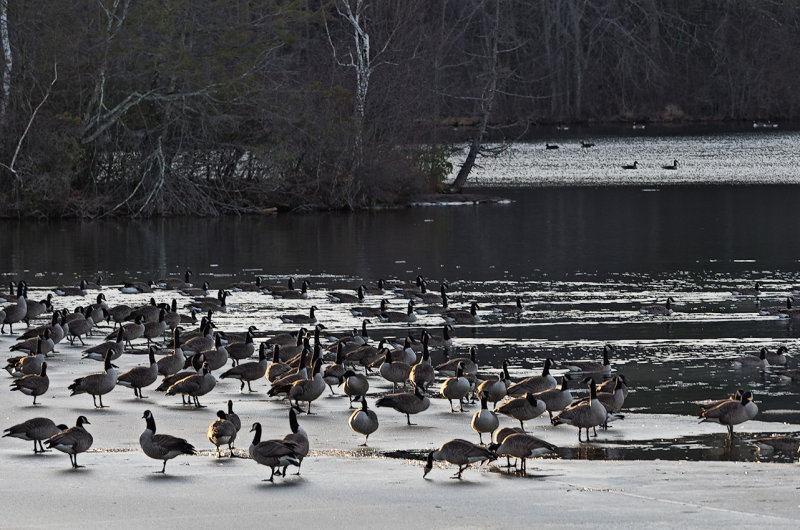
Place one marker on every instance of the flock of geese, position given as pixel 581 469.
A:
pixel 301 365
pixel 635 165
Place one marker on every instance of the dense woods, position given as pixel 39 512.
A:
pixel 153 107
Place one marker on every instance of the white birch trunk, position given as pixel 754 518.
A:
pixel 7 61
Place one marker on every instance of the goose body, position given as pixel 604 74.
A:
pixel 130 331
pixel 248 372
pixel 174 283
pixel 72 441
pixel 96 384
pixel 514 309
pixel 406 403
pixel 222 432
pixel 468 364
pixel 15 312
pixel 555 399
pixel 139 377
pixel 394 371
pixel 751 361
pixel 162 446
pixel 98 352
pixel 194 386
pixel 592 366
pixel 422 374
pixel 456 387
pixel 522 408
pixel 748 291
pixel 784 444
pixel 774 358
pixel 363 421
pixel 308 390
pixel 341 297
pixel 272 453
pixel 484 420
pixel 494 389
pixel 35 430
pixel 33 384
pixel 293 294
pixel 299 438
pixel 396 317
pixel 239 351
pixel 355 385
pixel 731 412
pixel 535 383
pixel 460 453
pixel 523 446
pixel 172 363
pixel 584 415
pixel 635 165
pixel 276 368
pixel 73 290
pixel 154 330
pixel 311 318
pixel 673 167
pixel 463 317
pixel 658 310
pixel 80 326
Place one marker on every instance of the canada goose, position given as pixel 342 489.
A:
pixel 216 357
pixel 139 377
pixel 299 437
pixel 364 355
pixel 196 291
pixel 494 389
pixel 96 384
pixel 153 330
pixel 535 383
pixel 36 430
pixel 397 317
pixel 445 341
pixel 635 165
pixel 522 446
pixel 370 311
pixel 247 372
pixel 460 453
pixel 399 354
pixel 333 373
pixel 54 326
pixel 308 389
pixel 555 399
pixel 550 146
pixel 776 358
pixel 72 441
pixel 119 313
pixel 36 308
pixel 585 414
pixel 751 361
pixel 131 331
pixel 171 379
pixel 612 400
pixel 99 308
pixel 522 408
pixel 501 434
pixel 355 386
pixel 673 166
pixel 657 309
pixel 79 290
pixel 241 350
pixel 341 297
pixel 363 421
pixel 788 376
pixel 456 387
pixel 301 319
pixel 468 364
pixel 515 308
pixel 406 403
pixel 784 311
pixel 174 283
pixel 256 286
pixel 96 285
pixel 98 353
pixel 710 404
pixel 276 369
pixel 33 384
pixel 394 371
pixel 592 366
pixel 175 361
pixel 218 305
pixel 748 291
pixel 425 297
pixel 81 326
pixel 463 317
pixel 484 420
pixel 43 344
pixel 294 294
pixel 586 145
pixel 26 365
pixel 422 374
pixel 731 412
pixel 137 287
pixel 284 383
pixel 784 444
pixel 272 453
pixel 162 446
pixel 195 385
pixel 12 293
pixel 15 312
pixel 222 432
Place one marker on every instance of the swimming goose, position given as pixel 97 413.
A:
pixel 43 344
pixel 731 412
pixel 96 384
pixel 784 444
pixel 463 317
pixel 523 446
pixel 239 351
pixel 484 420
pixel 751 361
pixel 460 453
pixel 522 408
pixel 222 432
pixel 776 358
pixel 35 430
pixel 468 364
pixel 294 294
pixel 308 389
pixel 585 414
pixel 586 145
pixel 674 165
pixel 247 372
pixel 555 399
pixel 515 309
pixel 162 446
pixel 355 386
pixel 174 283
pixel 406 403
pixel 79 290
pixel 139 377
pixel 422 374
pixel 657 309
pixel 15 312
pixel 369 311
pixel 396 317
pixel 747 291
pixel 363 421
pixel 635 165
pixel 33 384
pixel 72 441
pixel 456 387
pixel 272 453
pixel 425 297
pixel 535 383
pixel 550 146
pixel 256 286
pixel 299 437
pixel 592 366
pixel 394 371
pixel 788 376
pixel 301 319
pixel 96 285
pixel 137 287
pixel 131 331
pixel 195 385
pixel 340 297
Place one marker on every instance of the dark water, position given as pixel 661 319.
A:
pixel 583 259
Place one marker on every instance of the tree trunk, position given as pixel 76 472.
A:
pixel 7 62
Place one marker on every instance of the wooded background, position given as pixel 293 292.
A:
pixel 154 107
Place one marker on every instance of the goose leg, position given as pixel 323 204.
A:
pixel 309 408
pixel 241 385
pixel 248 387
pixel 101 402
pixel 408 419
pixel 365 441
pixel 270 479
pixel 451 405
